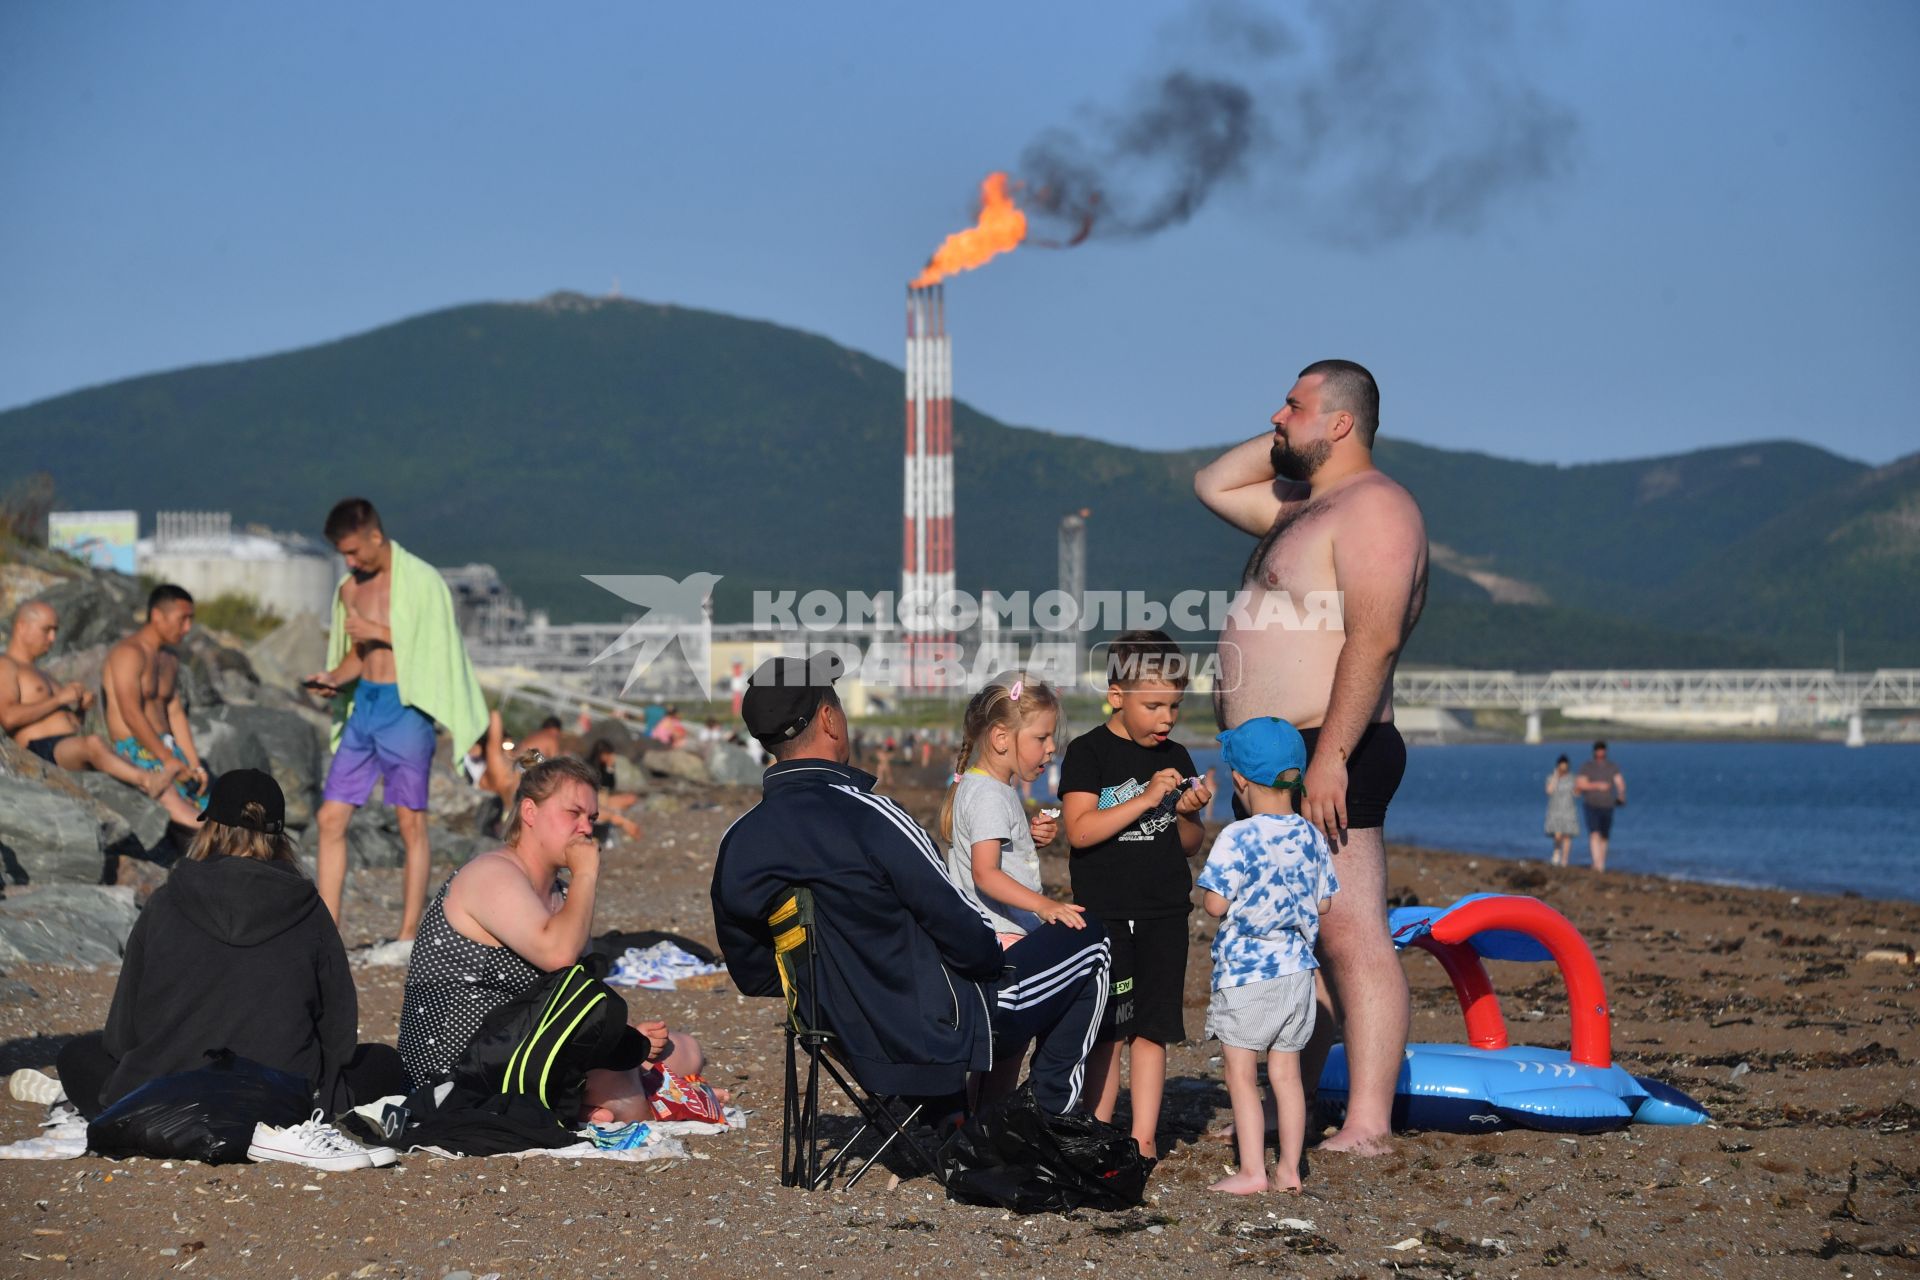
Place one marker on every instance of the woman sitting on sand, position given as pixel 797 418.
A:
pixel 234 951
pixel 504 919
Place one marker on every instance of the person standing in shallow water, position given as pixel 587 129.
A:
pixel 1563 818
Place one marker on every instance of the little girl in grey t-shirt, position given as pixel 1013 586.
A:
pixel 991 843
pixel 985 808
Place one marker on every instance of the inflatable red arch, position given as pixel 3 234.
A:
pixel 1449 940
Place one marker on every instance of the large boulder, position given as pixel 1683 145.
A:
pixel 623 736
pixel 67 924
pixel 144 817
pixel 198 665
pixel 686 765
pixel 292 650
pixel 456 848
pixel 226 746
pixel 117 838
pixel 215 670
pixel 20 583
pixel 94 609
pixel 51 836
pixel 290 746
pixel 459 805
pixel 373 840
pixel 732 766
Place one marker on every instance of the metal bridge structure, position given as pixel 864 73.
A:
pixel 1804 695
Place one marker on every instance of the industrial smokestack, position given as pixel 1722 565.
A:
pixel 926 567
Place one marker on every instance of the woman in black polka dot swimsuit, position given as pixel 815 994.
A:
pixel 453 983
pixel 526 923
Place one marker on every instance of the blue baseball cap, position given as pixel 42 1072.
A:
pixel 1263 749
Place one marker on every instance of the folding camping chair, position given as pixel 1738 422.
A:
pixel 796 946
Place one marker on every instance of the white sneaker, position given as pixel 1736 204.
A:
pixel 313 1143
pixel 29 1085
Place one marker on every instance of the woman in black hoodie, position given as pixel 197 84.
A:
pixel 235 951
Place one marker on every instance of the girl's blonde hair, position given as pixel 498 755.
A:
pixel 1011 698
pixel 218 840
pixel 540 778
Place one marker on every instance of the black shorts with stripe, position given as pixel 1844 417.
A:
pixel 1148 992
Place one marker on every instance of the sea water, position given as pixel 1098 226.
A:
pixel 1797 815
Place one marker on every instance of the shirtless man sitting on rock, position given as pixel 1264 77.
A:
pixel 45 718
pixel 144 712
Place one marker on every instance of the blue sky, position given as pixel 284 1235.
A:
pixel 1728 255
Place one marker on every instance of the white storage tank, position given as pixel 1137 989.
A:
pixel 285 572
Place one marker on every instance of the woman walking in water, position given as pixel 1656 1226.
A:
pixel 1563 818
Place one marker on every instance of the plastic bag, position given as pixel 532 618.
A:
pixel 206 1114
pixel 1014 1155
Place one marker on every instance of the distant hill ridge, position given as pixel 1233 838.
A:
pixel 579 435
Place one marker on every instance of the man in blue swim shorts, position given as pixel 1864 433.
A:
pixel 398 666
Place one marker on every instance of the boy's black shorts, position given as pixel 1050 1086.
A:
pixel 1149 979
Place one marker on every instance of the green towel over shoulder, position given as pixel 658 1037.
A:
pixel 435 676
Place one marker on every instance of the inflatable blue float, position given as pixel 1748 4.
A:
pixel 1486 1084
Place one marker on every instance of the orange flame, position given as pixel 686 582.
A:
pixel 1000 228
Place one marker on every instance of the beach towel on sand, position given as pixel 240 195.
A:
pixel 434 673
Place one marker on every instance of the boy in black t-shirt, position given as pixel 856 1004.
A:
pixel 1133 812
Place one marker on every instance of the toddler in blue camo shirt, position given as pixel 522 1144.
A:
pixel 1268 879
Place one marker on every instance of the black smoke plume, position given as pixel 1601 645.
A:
pixel 1365 121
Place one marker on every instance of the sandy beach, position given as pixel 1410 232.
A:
pixel 1763 1005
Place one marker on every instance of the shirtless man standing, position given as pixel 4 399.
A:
pixel 144 712
pixel 1327 600
pixel 388 735
pixel 45 718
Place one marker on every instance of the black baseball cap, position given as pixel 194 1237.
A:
pixel 235 789
pixel 784 695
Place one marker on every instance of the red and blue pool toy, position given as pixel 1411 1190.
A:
pixel 1488 1084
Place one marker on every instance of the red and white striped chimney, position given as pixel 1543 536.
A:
pixel 927 557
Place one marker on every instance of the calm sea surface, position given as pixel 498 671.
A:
pixel 1799 815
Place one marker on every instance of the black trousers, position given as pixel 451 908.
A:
pixel 85 1066
pixel 1055 996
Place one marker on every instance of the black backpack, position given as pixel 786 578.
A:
pixel 541 1044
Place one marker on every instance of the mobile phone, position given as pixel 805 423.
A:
pixel 319 685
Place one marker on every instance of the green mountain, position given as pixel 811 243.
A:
pixel 580 436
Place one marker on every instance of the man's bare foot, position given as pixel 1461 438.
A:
pixel 1247 1182
pixel 160 779
pixel 1358 1144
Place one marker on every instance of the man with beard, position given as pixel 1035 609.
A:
pixel 397 665
pixel 1327 600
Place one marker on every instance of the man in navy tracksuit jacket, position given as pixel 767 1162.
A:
pixel 912 978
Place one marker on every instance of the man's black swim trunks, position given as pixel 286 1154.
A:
pixel 1374 770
